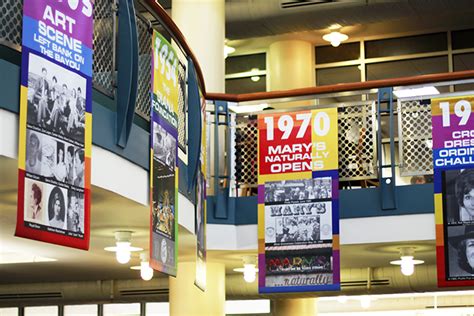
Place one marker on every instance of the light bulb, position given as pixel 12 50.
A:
pixel 335 43
pixel 255 78
pixel 407 266
pixel 146 272
pixel 249 273
pixel 123 253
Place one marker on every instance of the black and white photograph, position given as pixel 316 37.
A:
pixel 163 199
pixel 34 209
pixel 33 151
pixel 460 252
pixel 56 206
pixel 55 159
pixel 75 211
pixel 298 190
pixel 164 146
pixel 56 98
pixel 458 194
pixel 298 223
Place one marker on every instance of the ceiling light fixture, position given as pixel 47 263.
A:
pixel 146 272
pixel 249 270
pixel 255 77
pixel 406 262
pixel 123 249
pixel 416 92
pixel 335 38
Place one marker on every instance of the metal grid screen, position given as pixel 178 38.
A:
pixel 357 142
pixel 144 69
pixel 415 142
pixel 10 22
pixel 104 39
pixel 246 171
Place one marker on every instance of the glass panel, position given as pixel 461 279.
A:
pixel 337 75
pixel 41 311
pixel 464 62
pixel 81 310
pixel 406 45
pixel 406 68
pixel 330 54
pixel 157 309
pixel 245 85
pixel 11 311
pixel 462 39
pixel 245 63
pixel 132 309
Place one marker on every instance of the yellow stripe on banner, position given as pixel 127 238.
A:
pixel 284 176
pixel 261 221
pixel 22 128
pixel 335 242
pixel 325 148
pixel 88 135
pixel 438 208
pixel 436 110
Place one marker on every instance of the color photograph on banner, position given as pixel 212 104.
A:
pixel 163 159
pixel 200 214
pixel 55 123
pixel 453 162
pixel 298 206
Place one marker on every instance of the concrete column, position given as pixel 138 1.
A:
pixel 187 300
pixel 291 65
pixel 296 306
pixel 203 24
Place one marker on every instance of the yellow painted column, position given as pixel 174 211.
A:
pixel 291 65
pixel 187 300
pixel 203 24
pixel 296 306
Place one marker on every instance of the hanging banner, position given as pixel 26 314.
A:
pixel 298 208
pixel 200 225
pixel 55 122
pixel 164 152
pixel 453 160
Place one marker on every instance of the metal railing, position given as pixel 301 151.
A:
pixel 104 58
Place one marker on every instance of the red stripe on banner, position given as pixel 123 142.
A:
pixel 21 201
pixel 440 265
pixel 87 173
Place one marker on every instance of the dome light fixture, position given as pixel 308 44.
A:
pixel 406 262
pixel 123 249
pixel 335 38
pixel 146 272
pixel 249 270
pixel 255 77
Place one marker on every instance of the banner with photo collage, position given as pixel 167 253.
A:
pixel 298 207
pixel 55 123
pixel 164 152
pixel 453 162
pixel 200 223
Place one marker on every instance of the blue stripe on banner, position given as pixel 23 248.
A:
pixel 24 67
pixel 80 63
pixel 326 173
pixel 89 96
pixel 437 180
pixel 312 288
pixel 335 216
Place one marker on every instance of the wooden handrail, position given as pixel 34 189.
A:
pixel 342 87
pixel 173 29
